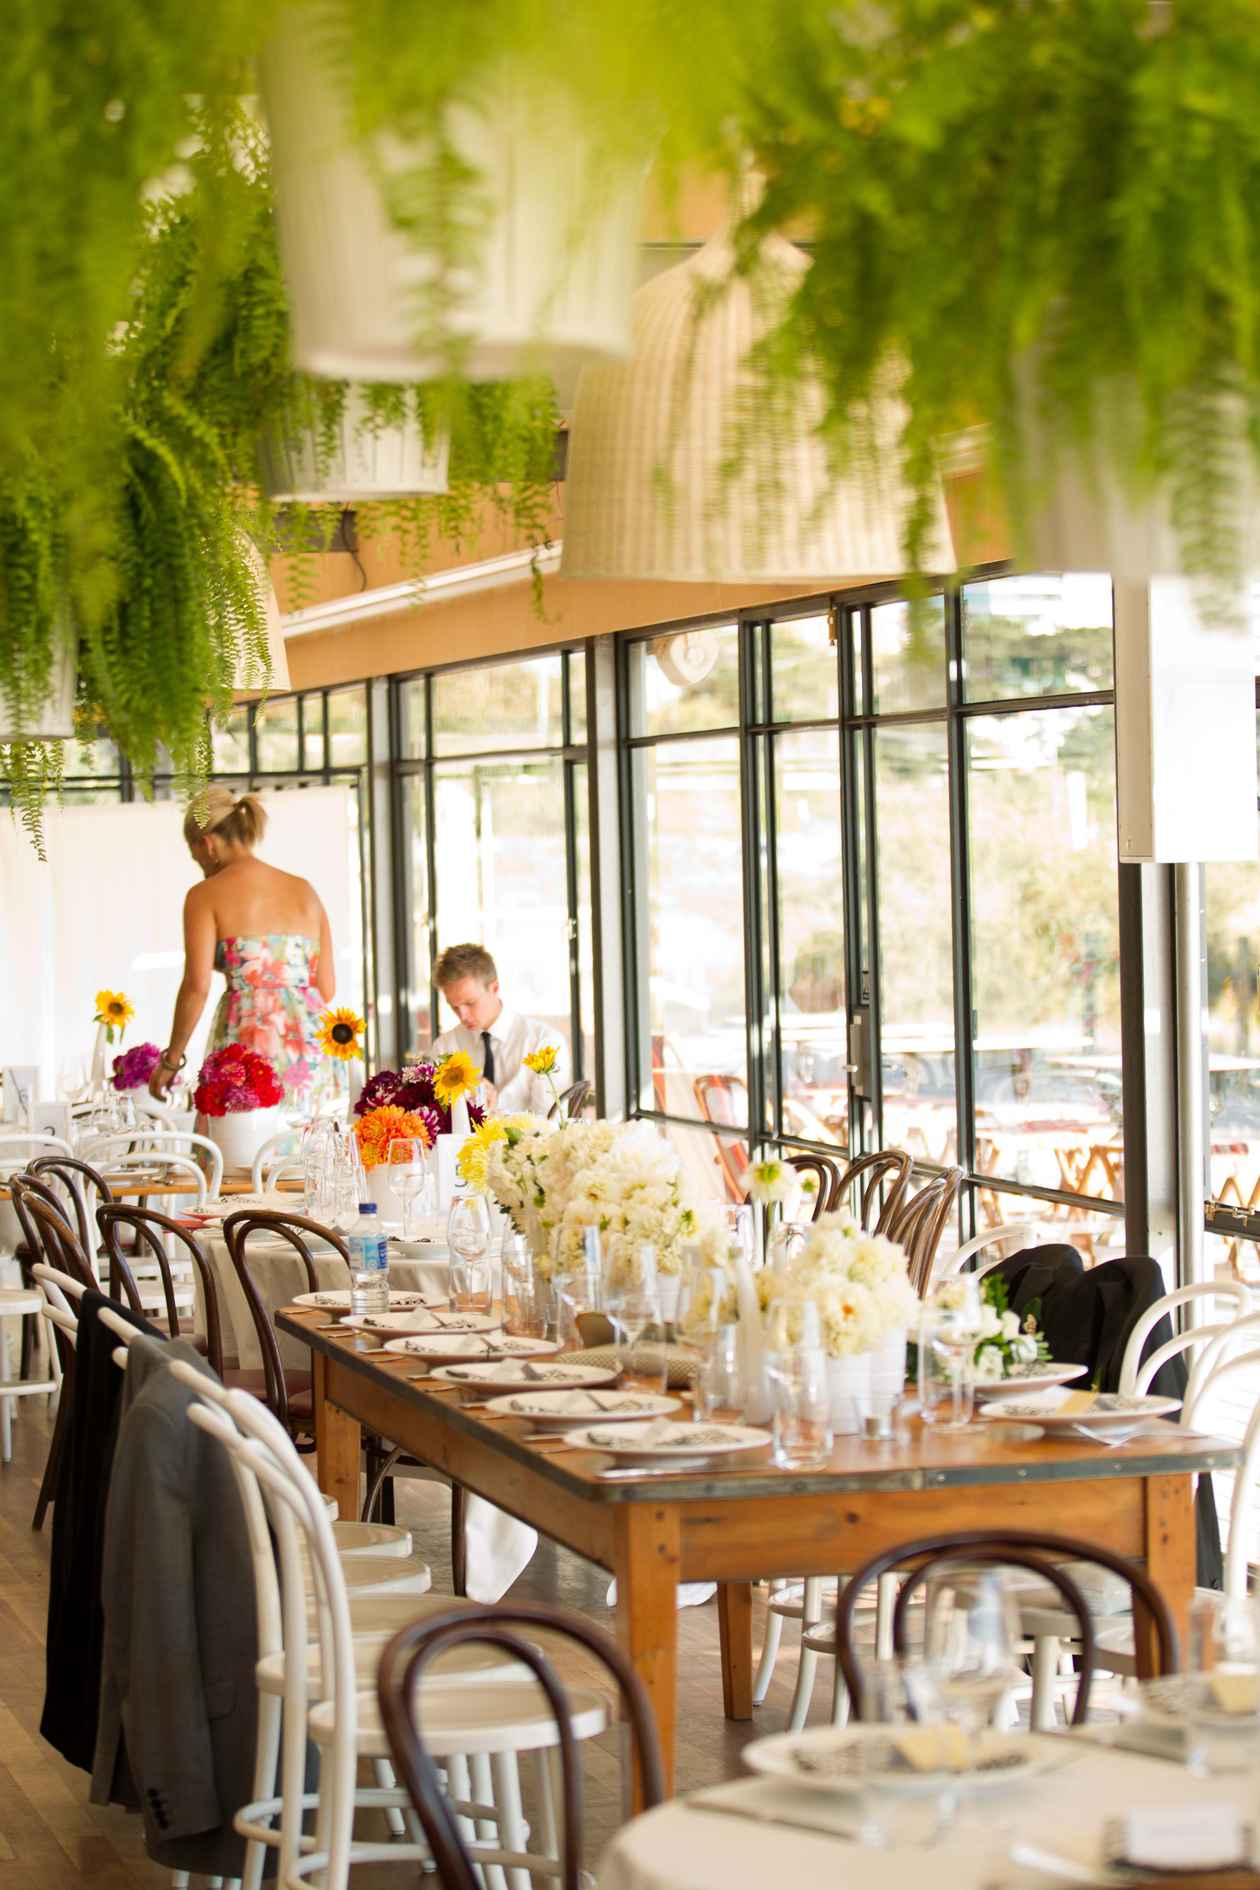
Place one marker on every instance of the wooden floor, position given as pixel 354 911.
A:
pixel 51 1838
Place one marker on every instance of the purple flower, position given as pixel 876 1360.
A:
pixel 412 1090
pixel 134 1068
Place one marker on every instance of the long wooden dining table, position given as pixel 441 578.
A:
pixel 735 1526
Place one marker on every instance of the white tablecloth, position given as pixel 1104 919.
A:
pixel 1062 1811
pixel 498 1547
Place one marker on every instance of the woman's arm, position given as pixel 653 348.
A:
pixel 199 942
pixel 325 970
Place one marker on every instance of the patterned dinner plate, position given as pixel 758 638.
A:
pixel 898 1759
pixel 337 1299
pixel 423 1319
pixel 525 1376
pixel 664 1442
pixel 560 1410
pixel 1107 1415
pixel 1029 1380
pixel 451 1348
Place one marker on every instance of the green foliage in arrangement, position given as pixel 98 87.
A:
pixel 1075 185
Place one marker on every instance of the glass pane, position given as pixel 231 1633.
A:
pixel 1232 919
pixel 347 728
pixel 908 657
pixel 804 673
pixel 916 978
pixel 585 950
pixel 714 1167
pixel 1095 1235
pixel 277 727
pixel 577 695
pixel 231 744
pixel 502 705
pixel 809 859
pixel 501 881
pixel 691 948
pixel 418 1027
pixel 1037 635
pixel 97 758
pixel 313 732
pixel 687 679
pixel 1045 949
pixel 412 716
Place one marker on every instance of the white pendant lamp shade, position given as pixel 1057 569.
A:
pixel 52 719
pixel 362 463
pixel 248 682
pixel 649 490
pixel 548 288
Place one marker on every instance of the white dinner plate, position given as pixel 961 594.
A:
pixel 452 1347
pixel 562 1410
pixel 424 1319
pixel 1177 1697
pixel 1102 1415
pixel 496 1376
pixel 219 1206
pixel 853 1758
pixel 337 1299
pixel 674 1443
pixel 1029 1379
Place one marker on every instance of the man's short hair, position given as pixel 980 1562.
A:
pixel 463 961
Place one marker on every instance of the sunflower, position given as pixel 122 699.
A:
pixel 115 1011
pixel 454 1077
pixel 543 1061
pixel 338 1034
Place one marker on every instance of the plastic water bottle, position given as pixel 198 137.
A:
pixel 369 1264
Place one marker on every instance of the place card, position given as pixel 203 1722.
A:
pixel 1185 1837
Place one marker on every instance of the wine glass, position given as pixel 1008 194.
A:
pixel 468 1237
pixel 970 1637
pixel 633 1297
pixel 408 1168
pixel 786 1242
pixel 948 1335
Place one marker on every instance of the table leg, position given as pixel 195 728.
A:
pixel 646 1558
pixel 735 1627
pixel 337 1445
pixel 1170 1562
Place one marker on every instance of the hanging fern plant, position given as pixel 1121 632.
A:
pixel 1049 216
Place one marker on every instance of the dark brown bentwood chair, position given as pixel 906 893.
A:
pixel 920 1222
pixel 86 1191
pixel 826 1174
pixel 1043 1555
pixel 150 1233
pixel 881 1181
pixel 402 1667
pixel 49 1237
pixel 285 1392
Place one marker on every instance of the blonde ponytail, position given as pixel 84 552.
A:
pixel 239 820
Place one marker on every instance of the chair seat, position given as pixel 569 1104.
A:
pixel 790 1602
pixel 481 1717
pixel 16 1302
pixel 1041 1609
pixel 356 1539
pixel 1116 1637
pixel 369 1575
pixel 469 1663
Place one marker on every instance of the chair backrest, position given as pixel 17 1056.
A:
pixel 62 1294
pixel 920 1221
pixel 292 1228
pixel 158 1144
pixel 48 1232
pixel 277 1153
pixel 715 1097
pixel 401 1670
pixel 880 1181
pixel 155 1234
pixel 826 1174
pixel 19 1146
pixel 1039 1552
pixel 1022 1233
pixel 85 1188
pixel 571 1102
pixel 1137 1372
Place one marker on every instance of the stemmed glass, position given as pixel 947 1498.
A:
pixel 468 1236
pixel 948 1335
pixel 408 1175
pixel 633 1298
pixel 786 1242
pixel 970 1637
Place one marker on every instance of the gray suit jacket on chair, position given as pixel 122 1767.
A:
pixel 177 1721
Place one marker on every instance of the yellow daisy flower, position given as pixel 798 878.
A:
pixel 338 1034
pixel 475 1153
pixel 543 1061
pixel 455 1077
pixel 115 1010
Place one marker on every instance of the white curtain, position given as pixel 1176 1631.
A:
pixel 107 911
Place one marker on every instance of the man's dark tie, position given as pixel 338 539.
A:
pixel 487 1065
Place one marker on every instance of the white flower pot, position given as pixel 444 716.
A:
pixel 849 1380
pixel 241 1133
pixel 363 463
pixel 53 718
pixel 550 289
pixel 887 1366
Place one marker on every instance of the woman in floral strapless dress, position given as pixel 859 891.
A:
pixel 268 933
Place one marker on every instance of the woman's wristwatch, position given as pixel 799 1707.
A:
pixel 165 1063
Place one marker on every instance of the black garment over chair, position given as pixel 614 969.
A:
pixel 1087 1316
pixel 76 1624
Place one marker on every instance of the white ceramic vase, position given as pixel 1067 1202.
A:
pixel 849 1380
pixel 549 289
pixel 241 1133
pixel 887 1365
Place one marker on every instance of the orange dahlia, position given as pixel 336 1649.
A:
pixel 375 1131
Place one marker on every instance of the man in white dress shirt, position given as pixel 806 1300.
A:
pixel 498 1040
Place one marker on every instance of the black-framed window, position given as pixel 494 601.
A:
pixel 491 813
pixel 872 889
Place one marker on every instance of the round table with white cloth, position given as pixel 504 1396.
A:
pixel 675 1848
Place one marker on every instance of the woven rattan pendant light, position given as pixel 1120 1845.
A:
pixel 649 491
